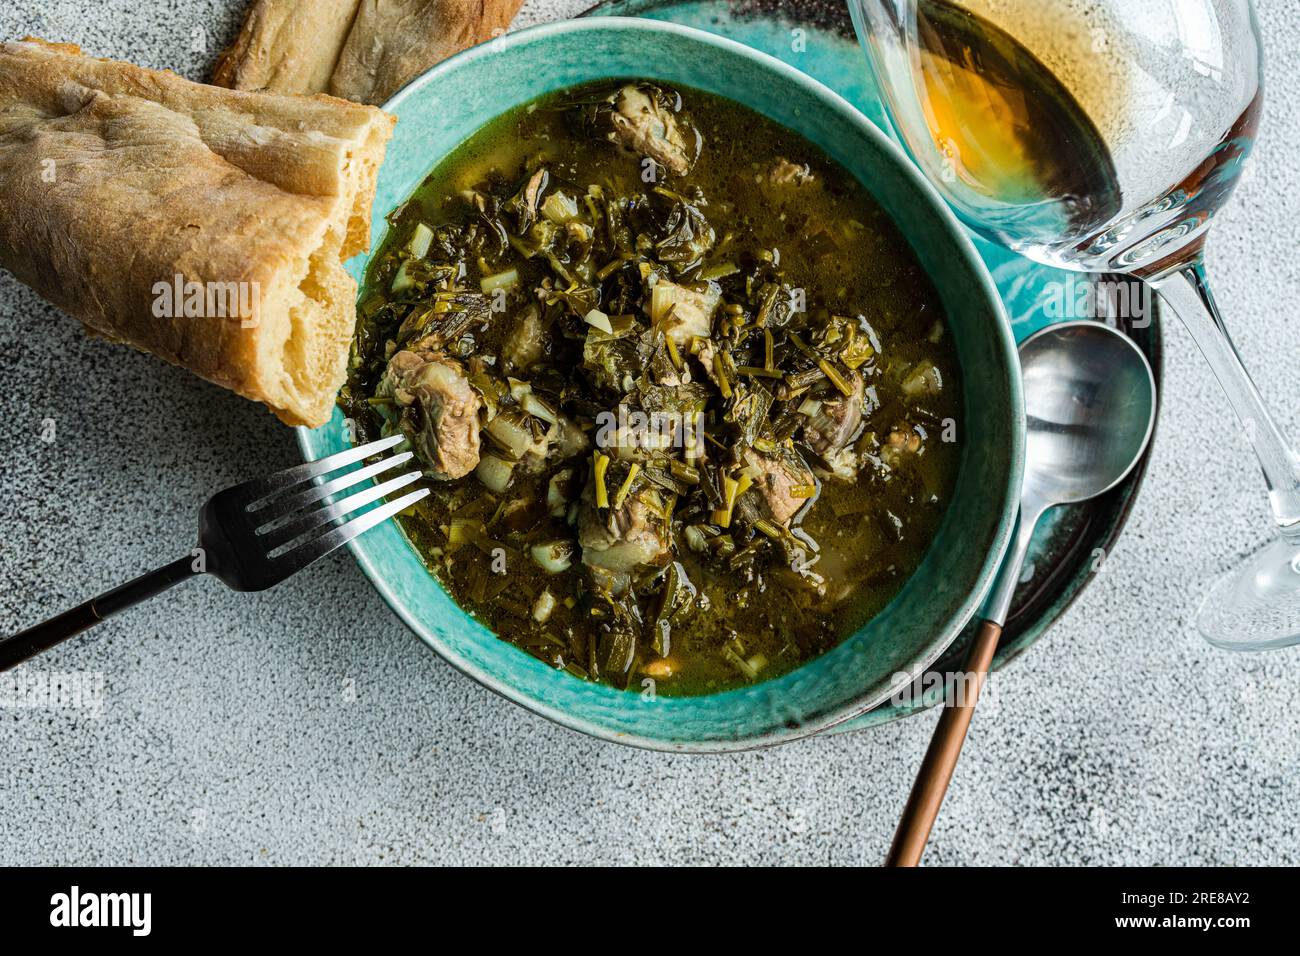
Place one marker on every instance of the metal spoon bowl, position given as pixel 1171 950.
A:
pixel 1090 408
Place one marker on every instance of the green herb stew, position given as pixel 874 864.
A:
pixel 687 403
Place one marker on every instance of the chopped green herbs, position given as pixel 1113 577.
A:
pixel 676 382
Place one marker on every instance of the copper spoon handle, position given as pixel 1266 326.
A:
pixel 941 759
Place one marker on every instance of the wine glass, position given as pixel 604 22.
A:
pixel 1104 136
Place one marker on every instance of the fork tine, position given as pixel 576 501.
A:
pixel 294 501
pixel 277 537
pixel 310 551
pixel 261 487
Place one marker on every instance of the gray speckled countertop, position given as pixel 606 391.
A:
pixel 306 725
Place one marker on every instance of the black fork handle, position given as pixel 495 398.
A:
pixel 18 648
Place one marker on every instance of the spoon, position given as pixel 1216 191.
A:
pixel 1090 407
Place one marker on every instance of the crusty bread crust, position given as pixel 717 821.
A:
pixel 362 50
pixel 118 181
pixel 287 46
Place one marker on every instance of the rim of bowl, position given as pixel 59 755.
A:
pixel 974 266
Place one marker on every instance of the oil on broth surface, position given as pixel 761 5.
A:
pixel 626 250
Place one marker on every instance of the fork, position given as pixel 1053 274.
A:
pixel 251 536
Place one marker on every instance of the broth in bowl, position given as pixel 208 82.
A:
pixel 686 401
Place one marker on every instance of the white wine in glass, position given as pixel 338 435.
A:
pixel 1104 136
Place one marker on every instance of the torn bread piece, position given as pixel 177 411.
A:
pixel 361 50
pixel 287 46
pixel 203 225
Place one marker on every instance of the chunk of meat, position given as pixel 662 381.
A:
pixel 779 476
pixel 439 411
pixel 788 184
pixel 630 537
pixel 684 312
pixel 782 172
pixel 837 421
pixel 642 122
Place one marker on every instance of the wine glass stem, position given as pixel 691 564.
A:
pixel 1187 290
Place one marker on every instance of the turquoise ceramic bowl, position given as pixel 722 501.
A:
pixel 440 110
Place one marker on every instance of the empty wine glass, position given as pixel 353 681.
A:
pixel 1104 136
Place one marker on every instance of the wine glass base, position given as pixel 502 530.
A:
pixel 1256 605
